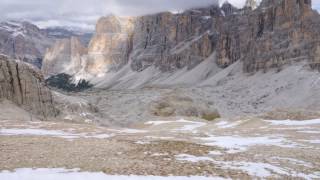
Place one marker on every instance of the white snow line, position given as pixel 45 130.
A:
pixel 310 132
pixel 236 144
pixel 294 161
pixel 313 141
pixel 63 174
pixel 255 169
pixel 226 124
pixel 52 133
pixel 191 158
pixel 187 125
pixel 294 123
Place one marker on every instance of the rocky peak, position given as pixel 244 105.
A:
pixel 64 57
pixel 228 8
pixel 252 4
pixel 108 24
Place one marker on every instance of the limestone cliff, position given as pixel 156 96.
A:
pixel 65 56
pixel 24 86
pixel 173 41
pixel 274 34
pixel 110 46
pixel 282 32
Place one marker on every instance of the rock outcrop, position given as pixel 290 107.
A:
pixel 283 33
pixel 251 4
pixel 65 56
pixel 109 48
pixel 182 105
pixel 173 41
pixel 24 86
pixel 275 34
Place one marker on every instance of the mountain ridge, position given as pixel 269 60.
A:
pixel 171 42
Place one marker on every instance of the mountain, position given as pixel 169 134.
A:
pixel 27 42
pixel 190 47
pixel 65 33
pixel 24 41
pixel 65 55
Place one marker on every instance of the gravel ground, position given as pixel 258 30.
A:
pixel 242 149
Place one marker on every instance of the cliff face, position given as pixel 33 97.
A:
pixel 277 33
pixel 171 42
pixel 64 56
pixel 110 46
pixel 24 86
pixel 283 32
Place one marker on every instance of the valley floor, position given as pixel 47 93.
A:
pixel 175 147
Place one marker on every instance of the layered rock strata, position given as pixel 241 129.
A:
pixel 23 85
pixel 270 36
pixel 66 55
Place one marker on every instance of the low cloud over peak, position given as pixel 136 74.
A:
pixel 84 13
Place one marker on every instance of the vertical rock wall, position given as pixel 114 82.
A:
pixel 24 86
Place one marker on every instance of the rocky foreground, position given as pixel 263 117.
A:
pixel 208 93
pixel 242 148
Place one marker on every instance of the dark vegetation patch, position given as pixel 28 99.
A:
pixel 64 82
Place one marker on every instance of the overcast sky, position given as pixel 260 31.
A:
pixel 84 13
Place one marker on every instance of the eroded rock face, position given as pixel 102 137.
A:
pixel 110 46
pixel 251 4
pixel 23 85
pixel 283 34
pixel 173 41
pixel 275 34
pixel 65 56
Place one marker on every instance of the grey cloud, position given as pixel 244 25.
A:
pixel 84 13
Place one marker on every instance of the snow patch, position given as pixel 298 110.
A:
pixel 294 123
pixel 187 125
pixel 215 153
pixel 191 158
pixel 226 124
pixel 132 131
pixel 294 161
pixel 142 142
pixel 236 144
pixel 63 174
pixel 310 132
pixel 256 169
pixel 190 127
pixel 53 133
pixel 313 141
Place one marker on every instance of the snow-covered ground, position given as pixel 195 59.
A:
pixel 52 133
pixel 294 123
pixel 64 174
pixel 261 170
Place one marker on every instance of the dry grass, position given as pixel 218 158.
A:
pixel 210 116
